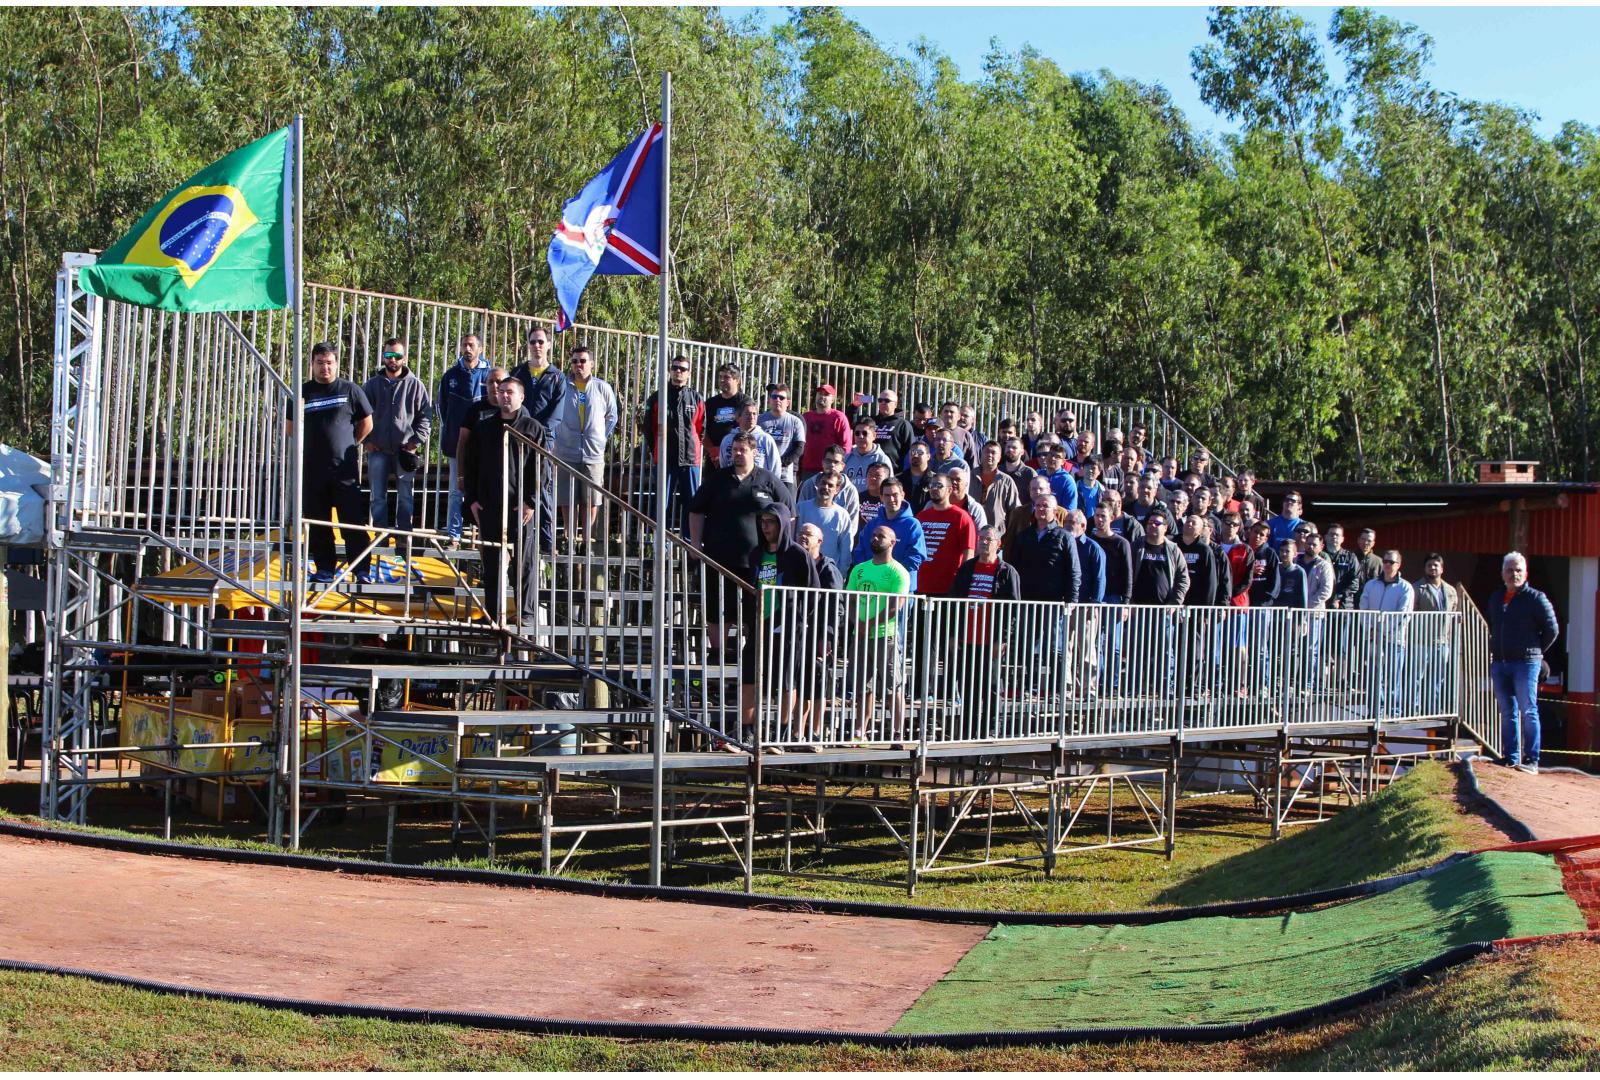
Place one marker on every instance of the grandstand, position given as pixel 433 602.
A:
pixel 171 560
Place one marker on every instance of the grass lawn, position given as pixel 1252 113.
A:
pixel 1529 1008
pixel 1224 852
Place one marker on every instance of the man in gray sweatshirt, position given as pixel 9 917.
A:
pixel 402 416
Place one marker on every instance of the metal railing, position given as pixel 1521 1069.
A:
pixel 1480 712
pixel 842 667
pixel 589 597
pixel 174 423
pixel 358 322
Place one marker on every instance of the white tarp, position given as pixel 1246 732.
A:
pixel 24 483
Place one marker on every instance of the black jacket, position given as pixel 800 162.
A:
pixel 1222 585
pixel 1266 578
pixel 895 435
pixel 1007 584
pixel 1523 629
pixel 488 471
pixel 829 575
pixel 1048 565
pixel 1119 564
pixel 1202 573
pixel 916 486
pixel 686 419
pixel 794 564
pixel 1347 580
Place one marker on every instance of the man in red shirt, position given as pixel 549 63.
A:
pixel 950 536
pixel 825 426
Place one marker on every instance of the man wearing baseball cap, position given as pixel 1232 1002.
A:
pixel 825 426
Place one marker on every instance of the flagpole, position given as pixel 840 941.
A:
pixel 290 707
pixel 659 665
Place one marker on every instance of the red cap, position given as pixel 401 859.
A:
pixel 828 386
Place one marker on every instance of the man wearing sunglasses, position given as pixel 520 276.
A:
pixel 402 417
pixel 894 433
pixel 686 428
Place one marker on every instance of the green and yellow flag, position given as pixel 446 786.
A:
pixel 221 241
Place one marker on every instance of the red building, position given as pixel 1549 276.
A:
pixel 1556 525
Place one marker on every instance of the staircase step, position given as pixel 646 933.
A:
pixel 107 540
pixel 360 674
pixel 512 717
pixel 536 765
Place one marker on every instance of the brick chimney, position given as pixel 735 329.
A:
pixel 1506 472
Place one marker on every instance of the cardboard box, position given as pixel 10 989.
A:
pixel 208 700
pixel 252 701
pixel 236 803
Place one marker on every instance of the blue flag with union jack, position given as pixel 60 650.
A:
pixel 612 226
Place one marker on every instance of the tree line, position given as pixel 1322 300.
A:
pixel 1373 279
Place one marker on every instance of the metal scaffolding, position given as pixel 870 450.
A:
pixel 177 588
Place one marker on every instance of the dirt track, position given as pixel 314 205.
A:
pixel 1554 805
pixel 481 948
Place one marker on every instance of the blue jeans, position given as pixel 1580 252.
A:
pixel 1516 687
pixel 379 466
pixel 452 518
pixel 683 481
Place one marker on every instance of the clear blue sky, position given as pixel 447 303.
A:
pixel 1545 60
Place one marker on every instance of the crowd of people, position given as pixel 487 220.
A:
pixel 866 499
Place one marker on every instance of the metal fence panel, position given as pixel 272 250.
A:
pixel 841 667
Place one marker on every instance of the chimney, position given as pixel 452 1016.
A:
pixel 1506 472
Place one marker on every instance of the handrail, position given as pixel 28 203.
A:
pixel 834 668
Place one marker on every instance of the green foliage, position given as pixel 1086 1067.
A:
pixel 1376 279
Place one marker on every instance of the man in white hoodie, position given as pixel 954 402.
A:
pixel 582 425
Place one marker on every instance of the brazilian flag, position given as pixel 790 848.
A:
pixel 221 241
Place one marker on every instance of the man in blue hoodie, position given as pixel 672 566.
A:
pixel 910 549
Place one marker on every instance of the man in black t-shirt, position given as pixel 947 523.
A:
pixel 722 413
pixel 724 518
pixel 338 417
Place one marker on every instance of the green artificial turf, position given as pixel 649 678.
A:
pixel 1230 970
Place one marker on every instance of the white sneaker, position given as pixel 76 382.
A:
pixel 1531 770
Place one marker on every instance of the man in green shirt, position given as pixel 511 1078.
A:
pixel 878 661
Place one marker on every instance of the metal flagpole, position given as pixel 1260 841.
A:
pixel 659 665
pixel 296 571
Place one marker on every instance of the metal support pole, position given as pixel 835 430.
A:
pixel 659 655
pixel 388 838
pixel 547 818
pixel 1278 753
pixel 750 828
pixel 915 800
pixel 289 707
pixel 1172 798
